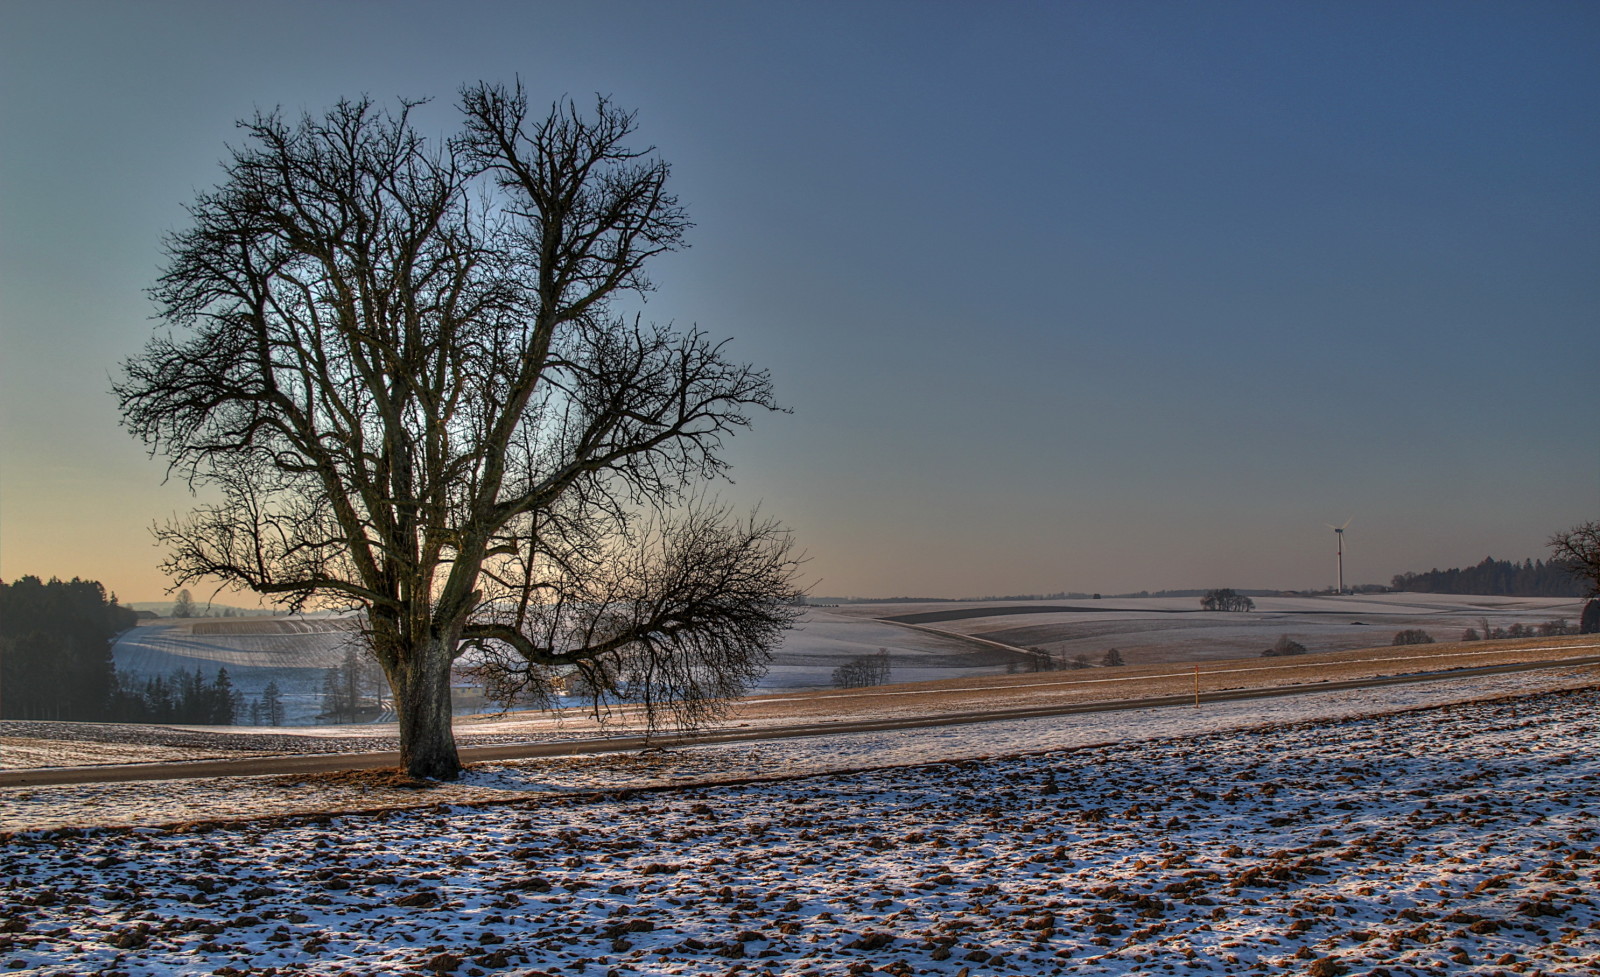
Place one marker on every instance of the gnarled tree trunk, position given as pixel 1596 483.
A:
pixel 421 686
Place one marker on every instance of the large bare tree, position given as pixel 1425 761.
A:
pixel 398 370
pixel 1578 549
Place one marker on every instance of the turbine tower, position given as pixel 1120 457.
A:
pixel 1338 532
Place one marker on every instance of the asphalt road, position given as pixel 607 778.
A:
pixel 329 762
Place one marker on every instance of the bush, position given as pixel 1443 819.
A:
pixel 1284 646
pixel 1112 658
pixel 1471 634
pixel 1413 636
pixel 864 671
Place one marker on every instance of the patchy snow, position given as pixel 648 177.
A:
pixel 154 803
pixel 295 652
pixel 1302 836
pixel 1175 629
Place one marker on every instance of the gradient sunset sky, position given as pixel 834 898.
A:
pixel 1064 296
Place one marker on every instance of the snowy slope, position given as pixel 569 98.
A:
pixel 1456 840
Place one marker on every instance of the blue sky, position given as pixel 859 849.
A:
pixel 1064 296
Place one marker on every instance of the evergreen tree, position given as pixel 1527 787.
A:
pixel 55 649
pixel 1495 578
pixel 272 705
pixel 221 701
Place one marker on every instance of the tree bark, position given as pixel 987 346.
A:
pixel 421 689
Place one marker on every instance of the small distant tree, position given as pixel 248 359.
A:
pixel 1078 662
pixel 1413 636
pixel 220 701
pixel 1112 658
pixel 1471 634
pixel 336 705
pixel 184 606
pixel 1226 599
pixel 272 705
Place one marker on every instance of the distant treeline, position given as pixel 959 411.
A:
pixel 1496 578
pixel 55 662
pixel 55 648
pixel 1059 595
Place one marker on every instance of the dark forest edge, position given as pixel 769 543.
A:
pixel 56 662
pixel 1496 578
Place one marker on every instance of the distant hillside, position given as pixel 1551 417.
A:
pixel 1496 578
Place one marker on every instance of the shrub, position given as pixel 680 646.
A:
pixel 1285 645
pixel 1413 636
pixel 864 671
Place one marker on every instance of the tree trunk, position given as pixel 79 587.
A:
pixel 422 699
pixel 1589 623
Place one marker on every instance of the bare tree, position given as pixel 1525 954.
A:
pixel 1578 549
pixel 184 605
pixel 398 367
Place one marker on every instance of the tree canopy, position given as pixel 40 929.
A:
pixel 1226 599
pixel 398 366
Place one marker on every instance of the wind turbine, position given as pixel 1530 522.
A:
pixel 1338 532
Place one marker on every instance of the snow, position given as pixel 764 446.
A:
pixel 1175 629
pixel 293 652
pixel 1447 827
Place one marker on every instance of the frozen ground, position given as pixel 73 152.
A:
pixel 293 652
pixel 924 642
pixel 1320 835
pixel 1175 629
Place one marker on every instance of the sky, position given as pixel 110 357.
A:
pixel 1094 297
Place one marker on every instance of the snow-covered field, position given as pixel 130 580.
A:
pixel 296 652
pixel 1325 834
pixel 293 652
pixel 1175 629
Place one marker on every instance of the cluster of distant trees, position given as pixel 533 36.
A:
pixel 55 648
pixel 346 688
pixel 186 606
pixel 184 698
pixel 1497 578
pixel 859 673
pixel 56 663
pixel 1547 629
pixel 1044 661
pixel 1226 599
